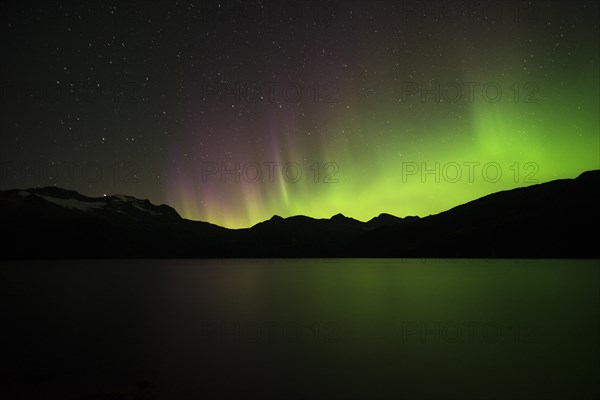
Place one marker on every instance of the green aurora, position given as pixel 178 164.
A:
pixel 387 161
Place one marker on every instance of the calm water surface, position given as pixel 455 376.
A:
pixel 300 329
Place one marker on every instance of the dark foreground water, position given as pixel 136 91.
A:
pixel 300 329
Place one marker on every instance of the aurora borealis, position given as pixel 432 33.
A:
pixel 360 97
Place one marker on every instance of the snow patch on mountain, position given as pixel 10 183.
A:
pixel 74 203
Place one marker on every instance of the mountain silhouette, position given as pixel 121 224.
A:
pixel 556 219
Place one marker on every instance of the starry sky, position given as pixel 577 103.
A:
pixel 235 111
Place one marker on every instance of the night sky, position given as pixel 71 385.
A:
pixel 323 107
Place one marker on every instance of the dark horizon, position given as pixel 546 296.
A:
pixel 530 222
pixel 274 216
